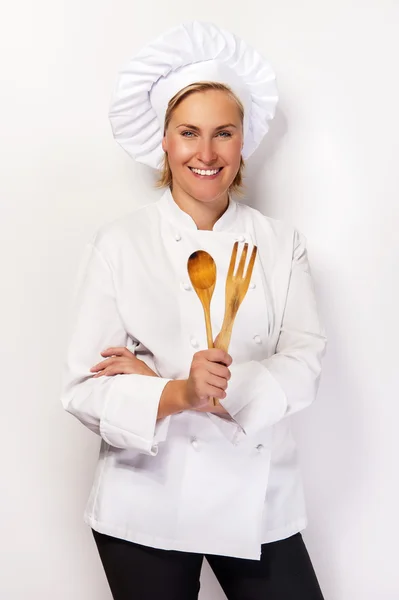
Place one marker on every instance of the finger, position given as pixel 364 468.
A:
pixel 98 374
pixel 219 370
pixel 111 371
pixel 215 392
pixel 103 364
pixel 218 382
pixel 219 356
pixel 116 351
pixel 117 365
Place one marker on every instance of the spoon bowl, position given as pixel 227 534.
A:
pixel 202 272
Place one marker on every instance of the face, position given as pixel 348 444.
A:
pixel 204 141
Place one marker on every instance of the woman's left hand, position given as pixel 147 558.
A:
pixel 121 361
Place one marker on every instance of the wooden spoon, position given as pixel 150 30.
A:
pixel 202 272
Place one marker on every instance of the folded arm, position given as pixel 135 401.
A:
pixel 123 408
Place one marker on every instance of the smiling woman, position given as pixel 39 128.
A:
pixel 214 101
pixel 181 478
pixel 203 140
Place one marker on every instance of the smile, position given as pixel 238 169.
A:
pixel 205 172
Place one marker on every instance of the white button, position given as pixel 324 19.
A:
pixel 240 238
pixel 252 286
pixel 186 286
pixel 194 342
pixel 257 339
pixel 259 447
pixel 194 443
pixel 177 237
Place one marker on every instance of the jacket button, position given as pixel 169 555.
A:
pixel 194 342
pixel 240 238
pixel 259 447
pixel 186 286
pixel 194 443
pixel 252 286
pixel 257 339
pixel 177 237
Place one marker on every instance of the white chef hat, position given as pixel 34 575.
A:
pixel 189 53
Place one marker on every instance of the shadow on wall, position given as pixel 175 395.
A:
pixel 264 153
pixel 334 463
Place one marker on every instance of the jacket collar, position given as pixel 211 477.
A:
pixel 183 220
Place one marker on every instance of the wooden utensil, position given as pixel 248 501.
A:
pixel 202 272
pixel 236 289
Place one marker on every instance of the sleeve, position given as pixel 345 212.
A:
pixel 122 409
pixel 261 393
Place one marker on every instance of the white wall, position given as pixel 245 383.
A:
pixel 329 165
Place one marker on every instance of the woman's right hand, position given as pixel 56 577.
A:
pixel 208 378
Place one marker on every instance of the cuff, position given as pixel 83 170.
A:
pixel 254 398
pixel 130 415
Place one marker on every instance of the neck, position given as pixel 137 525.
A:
pixel 204 214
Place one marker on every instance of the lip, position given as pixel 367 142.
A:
pixel 207 177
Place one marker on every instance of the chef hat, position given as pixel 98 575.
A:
pixel 190 53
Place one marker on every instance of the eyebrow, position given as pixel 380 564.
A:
pixel 195 128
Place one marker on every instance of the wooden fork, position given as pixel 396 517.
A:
pixel 236 288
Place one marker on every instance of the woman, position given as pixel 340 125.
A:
pixel 179 478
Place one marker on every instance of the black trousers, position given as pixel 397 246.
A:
pixel 136 572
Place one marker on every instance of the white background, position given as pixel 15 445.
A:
pixel 329 165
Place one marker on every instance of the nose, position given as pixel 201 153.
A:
pixel 206 152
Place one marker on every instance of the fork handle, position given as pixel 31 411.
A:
pixel 223 342
pixel 224 337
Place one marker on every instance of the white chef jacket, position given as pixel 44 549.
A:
pixel 194 482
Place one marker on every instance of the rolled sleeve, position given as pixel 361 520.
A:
pixel 123 408
pixel 130 413
pixel 260 393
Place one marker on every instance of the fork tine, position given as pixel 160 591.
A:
pixel 232 262
pixel 251 263
pixel 240 270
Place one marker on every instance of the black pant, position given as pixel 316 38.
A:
pixel 136 572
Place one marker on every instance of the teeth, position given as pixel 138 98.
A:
pixel 203 172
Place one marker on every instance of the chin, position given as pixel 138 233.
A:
pixel 207 195
pixel 206 192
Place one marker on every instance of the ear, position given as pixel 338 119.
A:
pixel 164 144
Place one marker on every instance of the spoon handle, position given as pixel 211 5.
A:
pixel 209 336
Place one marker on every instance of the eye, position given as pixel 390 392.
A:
pixel 188 134
pixel 225 134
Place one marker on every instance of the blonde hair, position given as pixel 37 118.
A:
pixel 165 178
